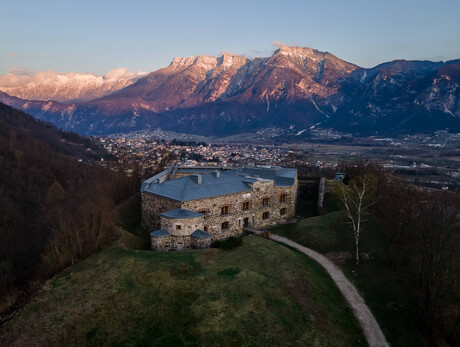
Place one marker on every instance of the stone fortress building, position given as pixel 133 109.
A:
pixel 192 207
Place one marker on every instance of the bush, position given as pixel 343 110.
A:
pixel 231 242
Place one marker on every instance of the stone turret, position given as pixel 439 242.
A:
pixel 180 229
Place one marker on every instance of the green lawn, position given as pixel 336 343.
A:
pixel 259 294
pixel 381 287
pixel 321 233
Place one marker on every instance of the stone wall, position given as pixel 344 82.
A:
pixel 179 174
pixel 201 243
pixel 170 243
pixel 152 206
pixel 266 189
pixel 161 243
pixel 181 242
pixel 181 227
pixel 236 217
pixel 213 219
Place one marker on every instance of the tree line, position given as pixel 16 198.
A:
pixel 422 228
pixel 54 210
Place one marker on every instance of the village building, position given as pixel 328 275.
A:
pixel 340 176
pixel 192 207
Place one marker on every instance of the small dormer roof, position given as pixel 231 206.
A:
pixel 181 213
pixel 200 234
pixel 160 233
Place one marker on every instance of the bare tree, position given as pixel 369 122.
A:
pixel 356 198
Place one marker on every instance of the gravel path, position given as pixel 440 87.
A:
pixel 371 329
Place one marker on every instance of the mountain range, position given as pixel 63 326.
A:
pixel 296 88
pixel 49 85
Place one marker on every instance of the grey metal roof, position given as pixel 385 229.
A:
pixel 197 169
pixel 181 213
pixel 160 233
pixel 157 177
pixel 200 234
pixel 187 188
pixel 282 177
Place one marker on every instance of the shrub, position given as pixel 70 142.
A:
pixel 231 242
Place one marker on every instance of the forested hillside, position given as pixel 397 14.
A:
pixel 55 203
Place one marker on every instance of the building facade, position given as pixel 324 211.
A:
pixel 196 209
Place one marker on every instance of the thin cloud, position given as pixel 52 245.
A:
pixel 21 72
pixel 227 53
pixel 12 55
pixel 15 78
pixel 278 44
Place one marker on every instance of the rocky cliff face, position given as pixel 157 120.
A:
pixel 292 73
pixel 294 88
pixel 404 96
pixel 441 92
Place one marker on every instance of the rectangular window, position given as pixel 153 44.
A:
pixel 245 206
pixel 265 202
pixel 203 212
pixel 283 197
pixel 265 215
pixel 224 225
pixel 224 210
pixel 178 227
pixel 283 212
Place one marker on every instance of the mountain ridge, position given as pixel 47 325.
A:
pixel 70 87
pixel 296 88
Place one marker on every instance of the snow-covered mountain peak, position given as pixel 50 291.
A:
pixel 208 62
pixel 182 61
pixel 50 85
pixel 228 60
pixel 302 52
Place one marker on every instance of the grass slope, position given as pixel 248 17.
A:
pixel 381 287
pixel 260 293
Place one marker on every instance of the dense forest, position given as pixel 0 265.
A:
pixel 422 228
pixel 56 204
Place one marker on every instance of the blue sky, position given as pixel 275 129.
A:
pixel 99 35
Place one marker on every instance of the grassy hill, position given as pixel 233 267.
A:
pixel 260 293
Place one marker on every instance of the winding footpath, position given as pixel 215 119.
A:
pixel 371 329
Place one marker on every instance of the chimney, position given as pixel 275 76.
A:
pixel 199 179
